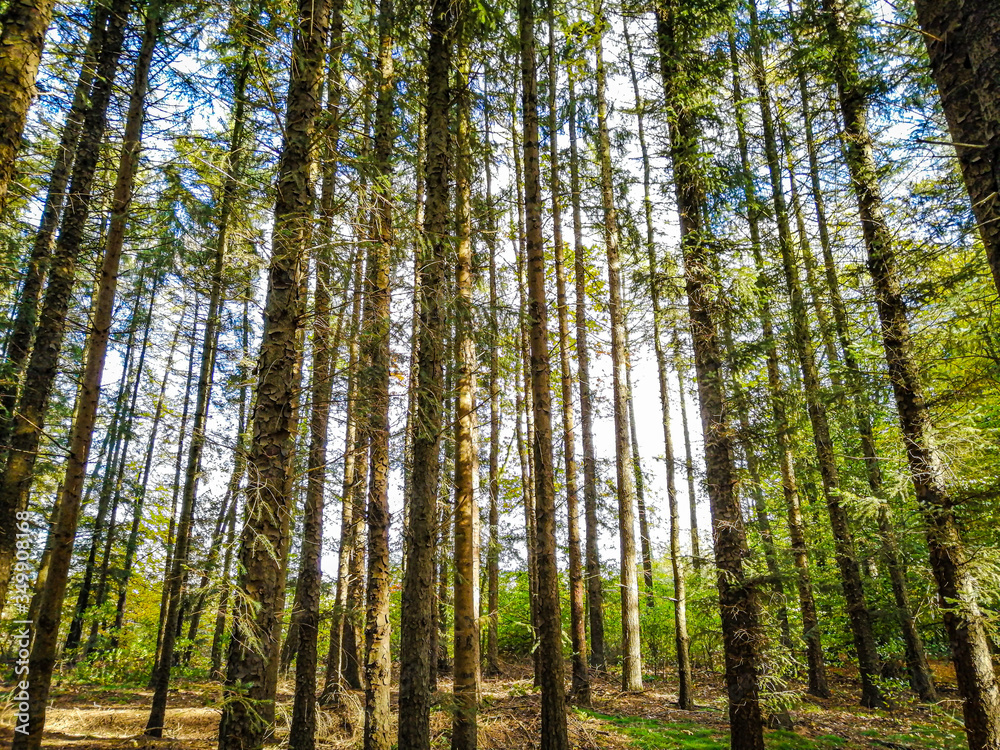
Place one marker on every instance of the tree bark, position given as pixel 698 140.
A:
pixel 631 648
pixel 961 38
pixel 257 621
pixel 737 595
pixel 23 25
pixel 550 661
pixel 580 685
pixel 417 660
pixel 464 718
pixel 375 382
pixel 302 734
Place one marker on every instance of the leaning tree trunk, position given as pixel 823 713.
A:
pixel 962 43
pixel 950 561
pixel 801 340
pixel 43 655
pixel 550 662
pixel 239 469
pixel 179 558
pixel 921 678
pixel 103 581
pixel 168 544
pixel 132 545
pixel 816 667
pixel 39 380
pixel 326 344
pixel 595 595
pixel 737 594
pixel 21 40
pixel 257 622
pixel 26 313
pixel 348 523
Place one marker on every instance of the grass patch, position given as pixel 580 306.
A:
pixel 650 734
pixel 922 736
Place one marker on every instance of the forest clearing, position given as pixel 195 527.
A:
pixel 410 374
pixel 113 717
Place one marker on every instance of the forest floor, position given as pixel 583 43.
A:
pixel 93 717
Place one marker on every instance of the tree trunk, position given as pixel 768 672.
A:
pixel 640 486
pixel 23 35
pixel 27 25
pixel 43 650
pixel 680 365
pixel 949 559
pixel 257 621
pixel 178 462
pixel 816 667
pixel 850 575
pixel 737 595
pixel 961 38
pixel 75 633
pixel 463 726
pixel 580 690
pixel 685 699
pixel 595 594
pixel 326 343
pixel 522 401
pixel 209 347
pixel 133 538
pixel 25 317
pixel 348 522
pixel 493 551
pixel 921 679
pixel 133 386
pixel 239 468
pixel 417 628
pixel 550 662
pixel 631 654
pixel 375 382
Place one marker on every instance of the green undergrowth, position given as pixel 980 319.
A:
pixel 920 736
pixel 651 734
